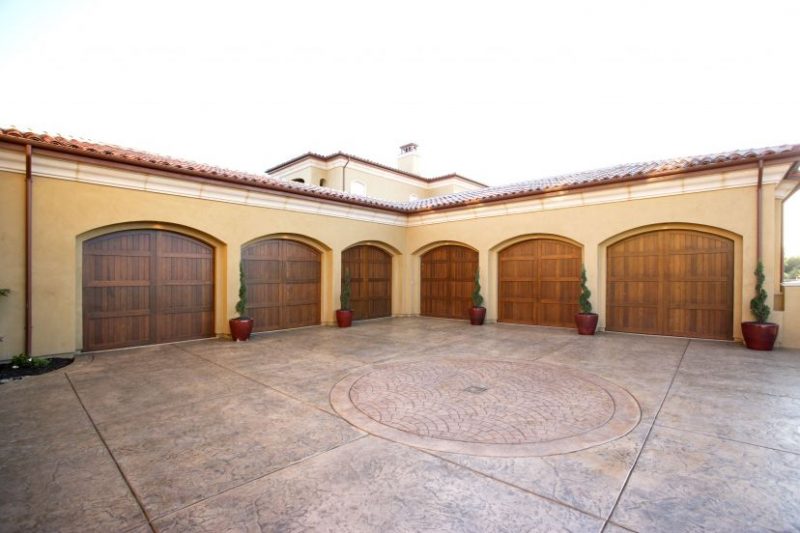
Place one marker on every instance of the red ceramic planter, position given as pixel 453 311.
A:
pixel 241 328
pixel 344 318
pixel 759 335
pixel 586 322
pixel 477 315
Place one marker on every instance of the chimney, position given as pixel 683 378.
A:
pixel 409 160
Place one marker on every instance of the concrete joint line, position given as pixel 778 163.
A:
pixel 646 438
pixel 111 454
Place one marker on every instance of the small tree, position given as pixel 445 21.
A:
pixel 583 301
pixel 241 305
pixel 477 299
pixel 344 297
pixel 758 305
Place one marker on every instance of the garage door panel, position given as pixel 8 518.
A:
pixel 698 294
pixel 104 334
pixel 686 275
pixel 262 271
pixel 556 313
pixel 283 284
pixel 543 273
pixel 181 326
pixel 517 269
pixel 370 284
pixel 633 292
pixel 447 277
pixel 704 323
pixel 267 317
pixel 635 319
pixel 131 300
pixel 145 286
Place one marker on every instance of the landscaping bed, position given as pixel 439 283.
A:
pixel 14 370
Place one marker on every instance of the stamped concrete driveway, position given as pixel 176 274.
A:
pixel 221 436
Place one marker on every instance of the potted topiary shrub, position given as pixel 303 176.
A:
pixel 760 335
pixel 344 315
pixel 585 320
pixel 241 326
pixel 477 313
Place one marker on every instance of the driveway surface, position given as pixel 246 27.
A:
pixel 629 433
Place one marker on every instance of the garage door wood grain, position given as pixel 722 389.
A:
pixel 145 287
pixel 283 284
pixel 539 283
pixel 370 281
pixel 447 277
pixel 671 282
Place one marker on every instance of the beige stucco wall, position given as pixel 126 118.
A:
pixel 12 265
pixel 379 187
pixel 728 212
pixel 789 318
pixel 68 212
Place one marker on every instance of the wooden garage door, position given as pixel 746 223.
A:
pixel 539 283
pixel 370 281
pixel 283 284
pixel 146 287
pixel 671 282
pixel 447 277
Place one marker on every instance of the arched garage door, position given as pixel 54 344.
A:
pixel 146 287
pixel 539 283
pixel 671 282
pixel 283 284
pixel 370 281
pixel 447 276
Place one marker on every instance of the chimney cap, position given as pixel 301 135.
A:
pixel 408 148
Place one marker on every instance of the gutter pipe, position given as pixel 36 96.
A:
pixel 758 208
pixel 28 246
pixel 344 168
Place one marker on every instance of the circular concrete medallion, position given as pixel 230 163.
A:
pixel 491 408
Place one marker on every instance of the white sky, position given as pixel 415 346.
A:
pixel 497 91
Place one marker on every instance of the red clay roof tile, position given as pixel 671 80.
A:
pixel 618 173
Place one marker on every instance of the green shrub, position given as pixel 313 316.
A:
pixel 477 299
pixel 758 305
pixel 23 361
pixel 241 305
pixel 583 301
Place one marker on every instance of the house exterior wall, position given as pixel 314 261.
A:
pixel 728 212
pixel 12 264
pixel 380 187
pixel 78 201
pixel 790 316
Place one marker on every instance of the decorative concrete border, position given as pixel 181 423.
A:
pixel 626 416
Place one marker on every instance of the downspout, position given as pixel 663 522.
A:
pixel 28 246
pixel 344 189
pixel 758 208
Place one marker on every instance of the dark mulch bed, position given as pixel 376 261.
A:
pixel 9 373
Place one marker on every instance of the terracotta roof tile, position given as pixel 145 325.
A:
pixel 150 160
pixel 618 173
